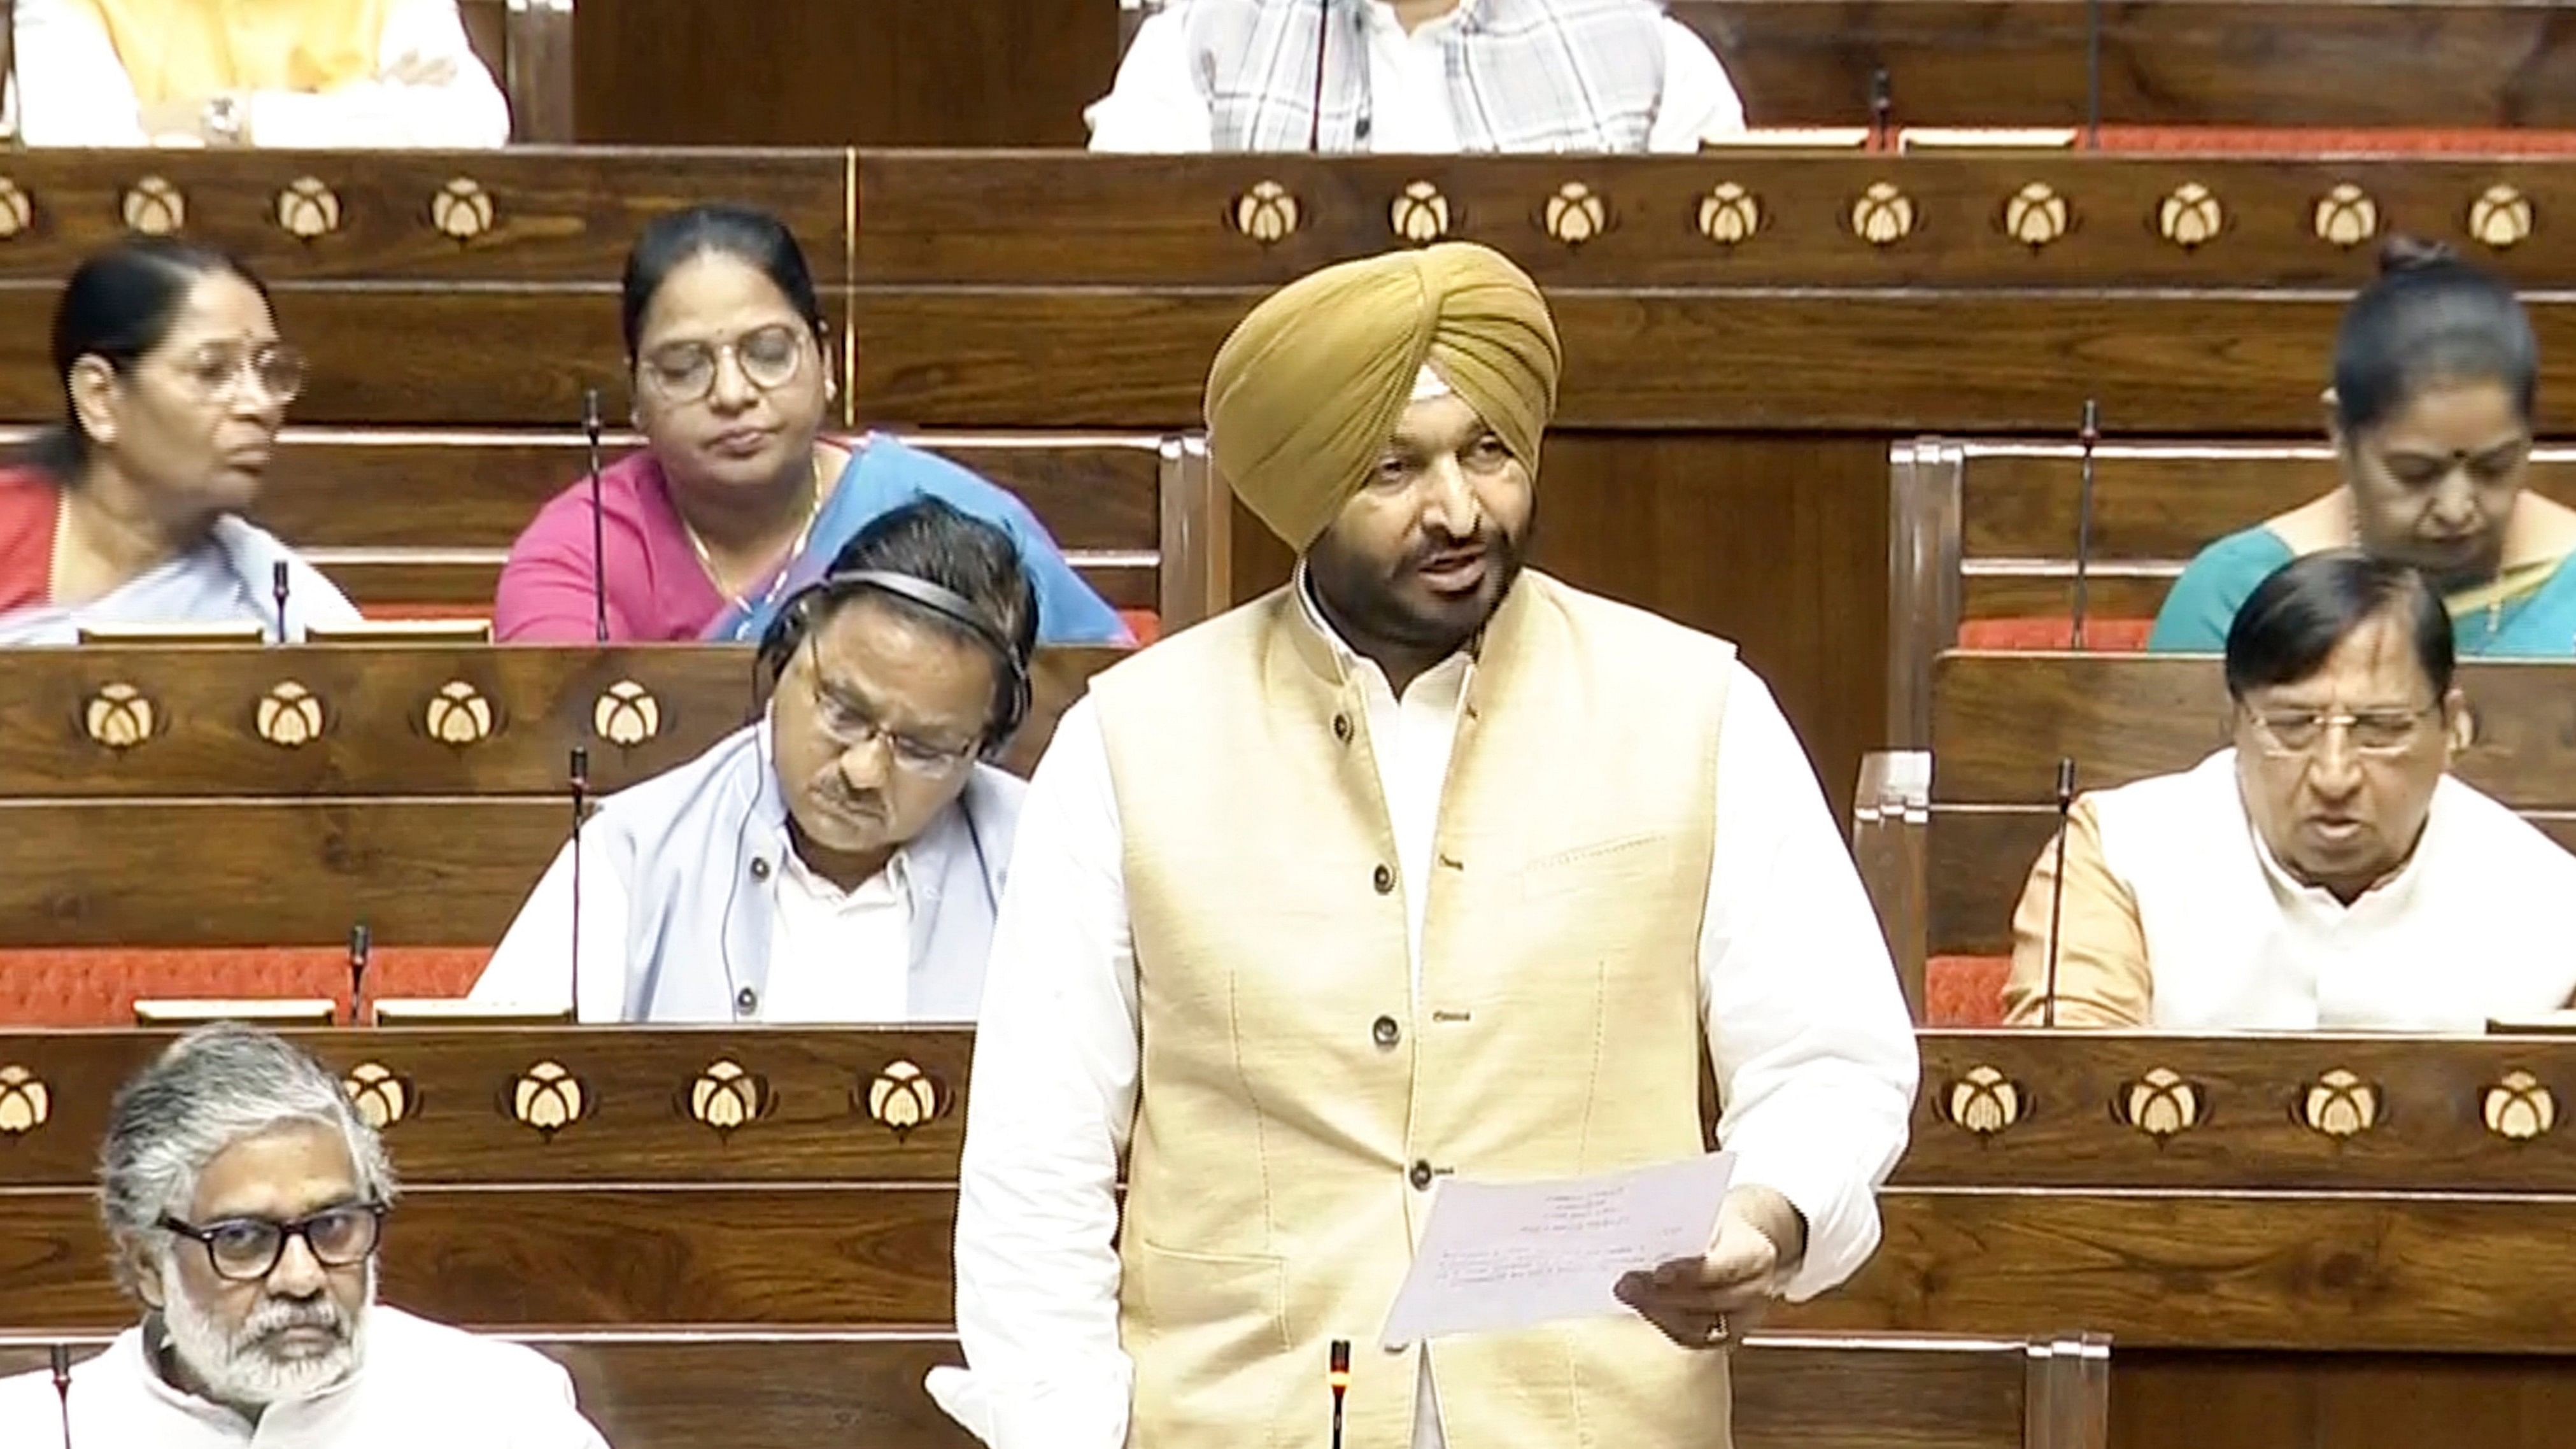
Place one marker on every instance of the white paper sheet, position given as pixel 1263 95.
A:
pixel 1511 1255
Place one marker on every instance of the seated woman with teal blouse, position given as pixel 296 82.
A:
pixel 2434 373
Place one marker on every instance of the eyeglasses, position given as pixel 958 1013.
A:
pixel 2371 732
pixel 217 371
pixel 770 357
pixel 847 725
pixel 245 1250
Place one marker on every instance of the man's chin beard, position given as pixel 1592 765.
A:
pixel 229 1371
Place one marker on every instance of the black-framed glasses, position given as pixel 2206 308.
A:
pixel 245 1250
pixel 770 357
pixel 218 370
pixel 847 725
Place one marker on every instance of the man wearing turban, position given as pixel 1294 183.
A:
pixel 1423 865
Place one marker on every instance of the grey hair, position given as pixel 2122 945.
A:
pixel 210 1089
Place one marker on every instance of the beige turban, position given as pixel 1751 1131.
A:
pixel 1307 391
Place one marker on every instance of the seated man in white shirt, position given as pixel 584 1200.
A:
pixel 840 859
pixel 2325 873
pixel 1415 76
pixel 244 1198
pixel 318 74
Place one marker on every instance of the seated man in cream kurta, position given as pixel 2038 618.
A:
pixel 1422 865
pixel 244 1199
pixel 2325 873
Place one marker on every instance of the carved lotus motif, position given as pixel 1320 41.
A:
pixel 25 1102
pixel 547 1098
pixel 1729 215
pixel 17 209
pixel 288 716
pixel 2501 218
pixel 1883 216
pixel 2519 1108
pixel 727 1096
pixel 626 714
pixel 2340 1105
pixel 308 209
pixel 1983 1101
pixel 154 206
pixel 1420 214
pixel 120 717
pixel 2191 216
pixel 458 715
pixel 462 210
pixel 1269 213
pixel 2036 215
pixel 382 1096
pixel 903 1097
pixel 2161 1104
pixel 2346 216
pixel 1575 214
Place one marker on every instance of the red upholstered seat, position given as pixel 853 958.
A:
pixel 1145 624
pixel 97 986
pixel 2107 635
pixel 1965 990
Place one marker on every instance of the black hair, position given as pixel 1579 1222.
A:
pixel 118 306
pixel 2430 318
pixel 2296 617
pixel 973 561
pixel 747 234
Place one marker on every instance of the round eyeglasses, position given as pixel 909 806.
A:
pixel 684 372
pixel 245 1250
pixel 218 371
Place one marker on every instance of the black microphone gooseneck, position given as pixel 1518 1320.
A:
pixel 277 580
pixel 62 1360
pixel 579 775
pixel 2089 434
pixel 2057 887
pixel 1339 1378
pixel 361 951
pixel 1882 109
pixel 598 519
pixel 1315 118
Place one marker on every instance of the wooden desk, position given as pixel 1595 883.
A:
pixel 811 1388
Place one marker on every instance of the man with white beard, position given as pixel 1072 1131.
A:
pixel 244 1199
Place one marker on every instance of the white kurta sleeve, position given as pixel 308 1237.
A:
pixel 1156 104
pixel 1698 101
pixel 1054 1098
pixel 552 1420
pixel 532 968
pixel 464 110
pixel 1807 1028
pixel 72 90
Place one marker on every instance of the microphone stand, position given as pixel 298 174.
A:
pixel 361 948
pixel 1882 110
pixel 598 518
pixel 1339 1378
pixel 61 1353
pixel 580 781
pixel 2089 434
pixel 277 589
pixel 1315 117
pixel 2057 887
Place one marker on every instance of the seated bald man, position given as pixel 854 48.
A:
pixel 1423 865
pixel 244 1200
pixel 2326 871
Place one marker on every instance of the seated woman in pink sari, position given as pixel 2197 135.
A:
pixel 739 499
pixel 175 384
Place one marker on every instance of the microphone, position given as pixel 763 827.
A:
pixel 598 518
pixel 2057 887
pixel 17 101
pixel 1338 1377
pixel 2092 75
pixel 580 779
pixel 1882 109
pixel 277 590
pixel 1315 118
pixel 361 947
pixel 62 1361
pixel 2089 434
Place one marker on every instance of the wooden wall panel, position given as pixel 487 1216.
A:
pixel 2171 1399
pixel 834 72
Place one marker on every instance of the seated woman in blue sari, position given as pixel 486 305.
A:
pixel 175 384
pixel 2434 374
pixel 738 499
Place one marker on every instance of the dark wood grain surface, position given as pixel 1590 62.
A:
pixel 2002 720
pixel 2182 1399
pixel 788 1389
pixel 2252 62
pixel 649 1102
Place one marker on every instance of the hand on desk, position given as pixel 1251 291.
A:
pixel 1706 1302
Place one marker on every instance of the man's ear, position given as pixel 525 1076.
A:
pixel 93 385
pixel 2459 723
pixel 145 1267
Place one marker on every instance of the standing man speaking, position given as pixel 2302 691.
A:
pixel 1422 865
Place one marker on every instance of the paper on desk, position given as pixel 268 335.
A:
pixel 1510 1255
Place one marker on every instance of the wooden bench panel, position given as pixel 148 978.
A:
pixel 1977 859
pixel 556 215
pixel 767 1388
pixel 2001 722
pixel 381 712
pixel 2023 62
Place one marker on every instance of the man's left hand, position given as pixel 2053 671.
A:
pixel 1708 1301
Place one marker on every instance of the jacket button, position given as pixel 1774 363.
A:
pixel 1384 880
pixel 746 1001
pixel 1342 728
pixel 1386 1032
pixel 1420 1176
pixel 759 867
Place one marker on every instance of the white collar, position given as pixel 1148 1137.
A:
pixel 142 1362
pixel 894 880
pixel 1462 661
pixel 2390 893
